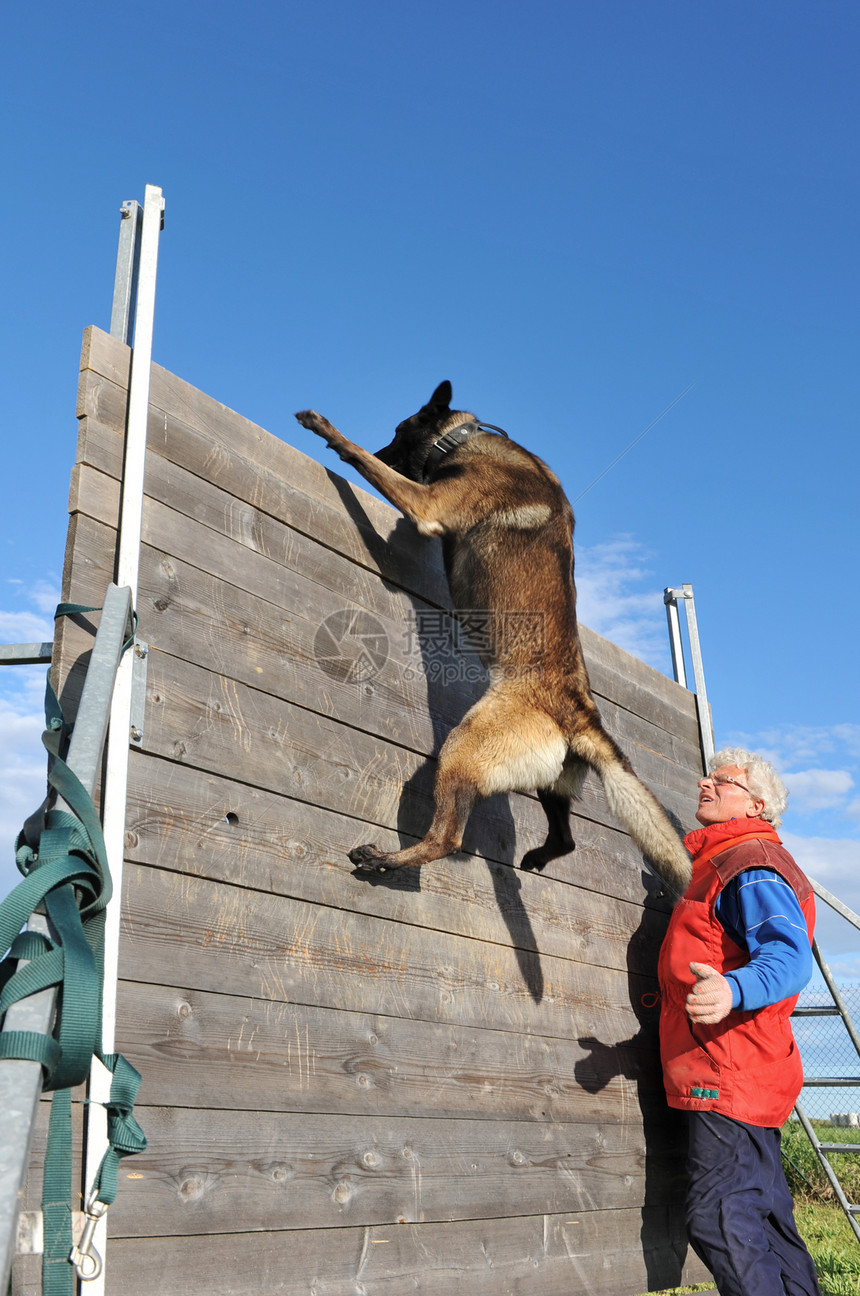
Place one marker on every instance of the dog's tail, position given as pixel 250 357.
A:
pixel 636 806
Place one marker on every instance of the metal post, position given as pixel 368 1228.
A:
pixel 127 264
pixel 20 1081
pixel 706 728
pixel 116 772
pixel 670 598
pixel 32 654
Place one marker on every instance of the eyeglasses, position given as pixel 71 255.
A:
pixel 720 782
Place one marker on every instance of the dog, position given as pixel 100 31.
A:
pixel 507 536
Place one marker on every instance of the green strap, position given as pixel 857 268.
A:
pixel 66 872
pixel 124 1134
pixel 58 1276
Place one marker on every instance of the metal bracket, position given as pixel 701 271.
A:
pixel 140 657
pixel 32 654
pixel 127 267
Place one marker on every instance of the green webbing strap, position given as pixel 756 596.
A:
pixel 66 873
pixel 58 1276
pixel 124 1134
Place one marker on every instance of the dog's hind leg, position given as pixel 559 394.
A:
pixel 559 839
pixel 556 803
pixel 499 746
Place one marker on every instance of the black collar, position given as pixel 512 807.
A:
pixel 451 440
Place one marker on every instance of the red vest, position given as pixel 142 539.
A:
pixel 747 1066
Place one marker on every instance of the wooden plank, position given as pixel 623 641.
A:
pixel 603 1253
pixel 205 1172
pixel 190 822
pixel 203 1050
pixel 106 355
pixel 190 931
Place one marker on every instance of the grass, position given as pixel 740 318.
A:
pixel 820 1219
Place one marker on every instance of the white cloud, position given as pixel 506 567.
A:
pixel 817 789
pixel 611 599
pixel 25 627
pixel 46 596
pixel 821 767
pixel 832 861
pixel 22 718
pixel 835 864
pixel 790 745
pixel 23 764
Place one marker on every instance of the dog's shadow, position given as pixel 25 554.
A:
pixel 454 679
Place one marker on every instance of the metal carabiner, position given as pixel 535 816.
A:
pixel 85 1254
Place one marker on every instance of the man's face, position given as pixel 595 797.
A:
pixel 724 795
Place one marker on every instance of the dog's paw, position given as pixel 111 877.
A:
pixel 534 861
pixel 316 423
pixel 369 859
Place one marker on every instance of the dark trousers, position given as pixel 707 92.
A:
pixel 740 1215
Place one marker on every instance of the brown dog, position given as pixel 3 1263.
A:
pixel 507 536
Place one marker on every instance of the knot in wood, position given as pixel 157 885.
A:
pixel 192 1188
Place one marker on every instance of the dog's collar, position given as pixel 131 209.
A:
pixel 451 440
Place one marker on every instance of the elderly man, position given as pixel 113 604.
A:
pixel 735 957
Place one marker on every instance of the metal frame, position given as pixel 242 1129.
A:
pixel 116 771
pixel 114 692
pixel 25 654
pixel 671 598
pixel 20 1081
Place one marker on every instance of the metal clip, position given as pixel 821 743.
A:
pixel 85 1254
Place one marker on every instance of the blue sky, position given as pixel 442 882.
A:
pixel 573 211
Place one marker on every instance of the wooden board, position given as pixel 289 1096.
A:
pixel 262 1171
pixel 354 1085
pixel 189 931
pixel 567 1253
pixel 200 1049
pixel 590 908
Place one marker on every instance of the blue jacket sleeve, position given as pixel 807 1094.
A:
pixel 761 913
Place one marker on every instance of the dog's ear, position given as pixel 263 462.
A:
pixel 441 398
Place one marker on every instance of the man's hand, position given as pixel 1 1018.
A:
pixel 710 1000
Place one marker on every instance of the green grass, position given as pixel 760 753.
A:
pixel 832 1245
pixel 820 1219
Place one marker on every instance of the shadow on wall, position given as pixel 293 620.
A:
pixel 440 665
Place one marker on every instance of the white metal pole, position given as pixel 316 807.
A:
pixel 115 784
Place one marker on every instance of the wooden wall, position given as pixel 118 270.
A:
pixel 355 1086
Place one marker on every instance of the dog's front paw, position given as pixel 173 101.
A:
pixel 369 859
pixel 316 423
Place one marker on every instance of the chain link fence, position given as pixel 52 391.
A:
pixel 828 1053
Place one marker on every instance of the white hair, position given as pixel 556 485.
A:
pixel 762 780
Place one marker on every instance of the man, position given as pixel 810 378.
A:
pixel 736 955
